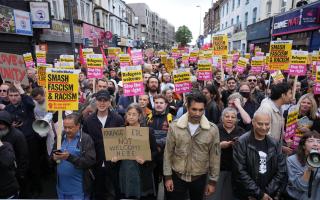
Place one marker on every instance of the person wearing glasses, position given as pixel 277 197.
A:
pixel 257 95
pixel 299 171
pixel 4 100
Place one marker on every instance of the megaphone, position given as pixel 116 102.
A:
pixel 313 159
pixel 42 126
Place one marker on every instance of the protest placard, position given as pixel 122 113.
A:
pixel 241 65
pixel 41 70
pixel 124 60
pixel 136 57
pixel 185 58
pixel 291 124
pixel 182 80
pixel 170 64
pixel 28 60
pixel 62 89
pixel 132 80
pixel 12 68
pixel 277 76
pixel 126 143
pixel 95 66
pixel 280 54
pixel 204 70
pixel 257 64
pixel 41 57
pixel 194 55
pixel 66 58
pixel 299 60
pixel 64 65
pixel 113 52
pixel 220 45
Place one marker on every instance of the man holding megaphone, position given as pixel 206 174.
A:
pixel 303 169
pixel 43 123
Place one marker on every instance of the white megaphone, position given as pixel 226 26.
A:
pixel 42 126
pixel 314 159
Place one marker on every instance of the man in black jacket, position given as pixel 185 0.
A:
pixel 9 186
pixel 17 140
pixel 259 167
pixel 21 108
pixel 105 186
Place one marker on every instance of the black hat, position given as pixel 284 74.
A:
pixel 103 94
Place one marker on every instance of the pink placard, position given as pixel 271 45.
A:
pixel 29 64
pixel 175 55
pixel 182 87
pixel 136 57
pixel 204 75
pixel 193 59
pixel 256 70
pixel 124 64
pixel 41 61
pixel 95 72
pixel 133 89
pixel 239 69
pixel 297 70
pixel 316 88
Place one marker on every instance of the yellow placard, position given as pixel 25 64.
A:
pixel 181 77
pixel 170 65
pixel 124 58
pixel 64 65
pixel 175 50
pixel 318 74
pixel 94 61
pixel 185 57
pixel 257 62
pixel 242 62
pixel 247 55
pixel 41 70
pixel 66 58
pixel 299 57
pixel 62 89
pixel 132 76
pixel 277 75
pixel 220 45
pixel 194 54
pixel 280 54
pixel 27 57
pixel 114 51
pixel 163 59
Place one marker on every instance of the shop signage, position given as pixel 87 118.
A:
pixel 40 14
pixel 304 19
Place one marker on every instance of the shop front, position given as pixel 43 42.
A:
pixel 301 25
pixel 259 34
pixel 57 39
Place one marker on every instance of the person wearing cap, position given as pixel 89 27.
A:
pixel 18 142
pixel 105 186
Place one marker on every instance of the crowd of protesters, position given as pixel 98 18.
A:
pixel 224 140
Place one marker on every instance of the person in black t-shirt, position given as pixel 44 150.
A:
pixel 259 167
pixel 229 134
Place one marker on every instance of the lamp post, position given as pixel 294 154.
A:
pixel 198 6
pixel 73 46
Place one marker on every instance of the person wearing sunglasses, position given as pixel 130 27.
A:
pixel 257 95
pixel 4 100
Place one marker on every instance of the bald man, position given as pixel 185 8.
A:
pixel 259 166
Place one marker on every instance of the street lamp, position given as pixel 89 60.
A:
pixel 198 6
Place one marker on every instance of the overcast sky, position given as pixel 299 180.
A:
pixel 180 12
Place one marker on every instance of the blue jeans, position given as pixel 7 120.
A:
pixel 76 196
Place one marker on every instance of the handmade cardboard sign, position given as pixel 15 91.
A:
pixel 126 143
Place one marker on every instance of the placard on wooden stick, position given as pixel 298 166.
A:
pixel 126 143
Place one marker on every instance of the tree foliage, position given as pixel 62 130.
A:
pixel 183 35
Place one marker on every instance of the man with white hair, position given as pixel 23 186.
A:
pixel 259 167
